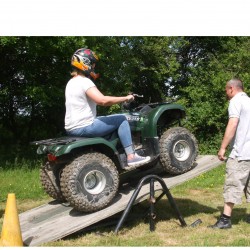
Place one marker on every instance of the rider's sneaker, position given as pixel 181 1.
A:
pixel 138 160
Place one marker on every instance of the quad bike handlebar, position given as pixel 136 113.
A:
pixel 129 105
pixel 134 106
pixel 136 95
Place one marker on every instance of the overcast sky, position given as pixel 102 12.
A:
pixel 124 17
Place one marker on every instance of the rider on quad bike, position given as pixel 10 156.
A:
pixel 82 96
pixel 87 167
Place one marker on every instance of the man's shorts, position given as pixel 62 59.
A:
pixel 237 174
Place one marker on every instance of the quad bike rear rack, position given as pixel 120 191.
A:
pixel 57 141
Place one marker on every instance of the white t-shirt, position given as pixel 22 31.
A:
pixel 239 107
pixel 80 110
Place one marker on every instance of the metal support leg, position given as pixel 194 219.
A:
pixel 152 215
pixel 166 191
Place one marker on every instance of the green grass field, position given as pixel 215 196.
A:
pixel 199 198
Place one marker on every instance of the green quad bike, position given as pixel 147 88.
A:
pixel 85 171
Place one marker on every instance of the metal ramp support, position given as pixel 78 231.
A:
pixel 152 201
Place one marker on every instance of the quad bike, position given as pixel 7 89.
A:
pixel 85 171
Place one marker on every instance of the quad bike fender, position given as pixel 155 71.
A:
pixel 64 146
pixel 66 149
pixel 163 114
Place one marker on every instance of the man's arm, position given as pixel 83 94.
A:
pixel 228 136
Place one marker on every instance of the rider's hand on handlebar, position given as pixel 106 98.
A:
pixel 130 98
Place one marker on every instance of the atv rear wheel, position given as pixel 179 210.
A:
pixel 90 182
pixel 50 180
pixel 178 150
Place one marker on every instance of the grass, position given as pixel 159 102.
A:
pixel 199 198
pixel 21 178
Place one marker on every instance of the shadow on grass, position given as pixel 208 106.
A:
pixel 186 207
pixel 163 211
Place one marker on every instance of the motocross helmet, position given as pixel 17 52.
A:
pixel 84 59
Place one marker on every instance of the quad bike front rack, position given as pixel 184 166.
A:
pixel 152 202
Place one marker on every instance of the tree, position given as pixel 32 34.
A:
pixel 35 70
pixel 207 63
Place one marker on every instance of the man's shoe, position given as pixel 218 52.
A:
pixel 222 223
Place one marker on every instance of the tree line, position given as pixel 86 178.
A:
pixel 191 70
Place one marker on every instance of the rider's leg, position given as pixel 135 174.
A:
pixel 105 125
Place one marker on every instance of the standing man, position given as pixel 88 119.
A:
pixel 238 164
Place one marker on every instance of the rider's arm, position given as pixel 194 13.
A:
pixel 102 100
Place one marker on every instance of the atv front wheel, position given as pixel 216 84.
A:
pixel 50 180
pixel 90 182
pixel 178 150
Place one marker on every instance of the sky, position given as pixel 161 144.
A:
pixel 124 17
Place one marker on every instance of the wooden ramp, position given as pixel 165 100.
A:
pixel 54 221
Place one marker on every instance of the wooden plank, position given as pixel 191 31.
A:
pixel 54 221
